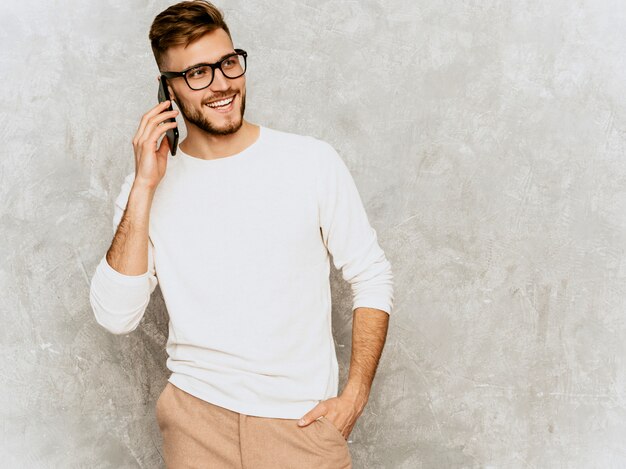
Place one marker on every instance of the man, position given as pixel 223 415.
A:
pixel 237 229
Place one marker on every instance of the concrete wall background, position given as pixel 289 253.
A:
pixel 487 140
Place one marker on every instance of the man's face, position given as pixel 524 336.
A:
pixel 193 104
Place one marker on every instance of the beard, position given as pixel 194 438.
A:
pixel 198 118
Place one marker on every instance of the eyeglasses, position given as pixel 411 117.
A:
pixel 201 76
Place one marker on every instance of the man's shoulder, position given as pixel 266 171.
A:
pixel 298 140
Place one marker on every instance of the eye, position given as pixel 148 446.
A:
pixel 197 72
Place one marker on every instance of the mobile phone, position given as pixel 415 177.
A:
pixel 171 134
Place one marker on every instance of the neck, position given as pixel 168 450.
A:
pixel 209 147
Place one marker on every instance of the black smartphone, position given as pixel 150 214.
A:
pixel 171 134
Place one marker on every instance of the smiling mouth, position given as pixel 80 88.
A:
pixel 222 104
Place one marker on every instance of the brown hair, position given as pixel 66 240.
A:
pixel 183 23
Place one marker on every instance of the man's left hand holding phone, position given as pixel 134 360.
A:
pixel 171 134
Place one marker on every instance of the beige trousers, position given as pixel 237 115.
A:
pixel 199 435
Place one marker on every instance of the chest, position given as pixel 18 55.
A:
pixel 237 219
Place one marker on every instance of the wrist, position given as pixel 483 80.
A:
pixel 357 393
pixel 143 186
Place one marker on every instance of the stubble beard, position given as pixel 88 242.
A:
pixel 198 119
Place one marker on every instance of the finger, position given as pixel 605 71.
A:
pixel 159 131
pixel 150 143
pixel 158 114
pixel 313 414
pixel 164 148
pixel 146 118
pixel 152 112
pixel 155 121
pixel 162 153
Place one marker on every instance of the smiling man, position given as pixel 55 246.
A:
pixel 238 229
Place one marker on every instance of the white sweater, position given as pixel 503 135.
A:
pixel 240 248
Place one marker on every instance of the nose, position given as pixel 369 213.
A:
pixel 220 82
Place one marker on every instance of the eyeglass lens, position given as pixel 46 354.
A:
pixel 200 77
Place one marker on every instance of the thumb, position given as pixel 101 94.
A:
pixel 311 415
pixel 164 148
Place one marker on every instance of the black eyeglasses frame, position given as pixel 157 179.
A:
pixel 213 66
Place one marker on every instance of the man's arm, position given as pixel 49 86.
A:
pixel 349 236
pixel 128 253
pixel 369 333
pixel 353 244
pixel 125 277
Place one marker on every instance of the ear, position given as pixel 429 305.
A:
pixel 171 91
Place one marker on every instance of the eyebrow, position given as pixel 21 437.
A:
pixel 205 63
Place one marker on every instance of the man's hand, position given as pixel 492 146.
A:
pixel 369 332
pixel 150 161
pixel 341 411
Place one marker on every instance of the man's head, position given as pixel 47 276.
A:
pixel 190 33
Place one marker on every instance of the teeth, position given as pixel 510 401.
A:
pixel 223 102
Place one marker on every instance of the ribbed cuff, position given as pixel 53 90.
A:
pixel 373 303
pixel 118 277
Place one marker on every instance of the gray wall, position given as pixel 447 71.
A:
pixel 487 140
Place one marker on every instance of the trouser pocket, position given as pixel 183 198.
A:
pixel 334 430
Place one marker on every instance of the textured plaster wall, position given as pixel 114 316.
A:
pixel 487 140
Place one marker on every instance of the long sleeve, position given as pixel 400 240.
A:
pixel 349 237
pixel 118 300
